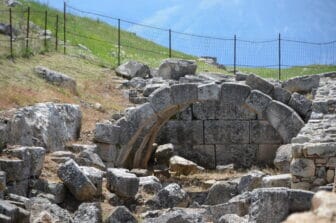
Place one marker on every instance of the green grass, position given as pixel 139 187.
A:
pixel 101 39
pixel 287 73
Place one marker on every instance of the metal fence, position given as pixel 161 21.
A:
pixel 127 40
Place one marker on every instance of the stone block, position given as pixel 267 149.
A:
pixel 182 166
pixel 290 127
pixel 142 115
pixel 281 94
pixel 320 149
pixel 221 192
pixel 161 99
pixel 266 154
pixel 301 104
pixel 330 176
pixel 184 94
pixel 208 92
pixel 234 93
pixel 107 133
pixel 175 68
pixel 9 210
pixel 258 83
pixel 226 132
pixel 204 110
pixel 14 168
pixel 258 102
pixel 122 182
pixel 277 112
pixel 302 167
pixel 231 111
pixel 107 152
pixel 76 181
pixel 283 158
pixel 281 180
pixel 203 155
pixel 303 84
pixel 262 132
pixel 243 155
pixel 96 177
pixel 182 133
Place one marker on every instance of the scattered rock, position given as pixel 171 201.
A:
pixel 172 196
pixel 232 218
pixel 283 158
pixel 301 105
pixel 122 182
pixel 163 154
pixel 303 84
pixel 183 166
pixel 150 184
pixel 133 69
pixel 281 180
pixel 176 68
pixel 57 78
pixel 76 181
pixel 121 215
pixel 42 210
pixel 180 216
pixel 47 125
pixel 221 192
pixel 88 213
pixel 88 157
pixel 250 181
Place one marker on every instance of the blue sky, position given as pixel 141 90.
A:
pixel 307 20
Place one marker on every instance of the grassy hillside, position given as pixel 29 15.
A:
pixel 96 41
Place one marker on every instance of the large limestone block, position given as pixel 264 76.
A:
pixel 303 84
pixel 281 94
pixel 302 167
pixel 234 93
pixel 161 100
pixel 88 213
pixel 243 155
pixel 184 94
pixel 281 180
pixel 182 132
pixel 76 181
pixel 203 155
pixel 47 125
pixel 140 116
pixel 176 68
pixel 133 69
pixel 180 165
pixel 57 78
pixel 208 92
pixel 172 196
pixel 283 158
pixel 260 84
pixel 226 132
pixel 301 104
pixel 221 192
pixel 107 133
pixel 258 101
pixel 122 182
pixel 263 133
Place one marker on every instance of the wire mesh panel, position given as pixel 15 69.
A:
pixel 260 57
pixel 144 43
pixel 84 42
pixel 5 37
pixel 212 54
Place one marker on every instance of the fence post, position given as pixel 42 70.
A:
pixel 279 54
pixel 27 35
pixel 11 33
pixel 170 44
pixel 56 35
pixel 234 54
pixel 45 29
pixel 119 42
pixel 64 26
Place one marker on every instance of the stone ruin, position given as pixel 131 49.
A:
pixel 184 123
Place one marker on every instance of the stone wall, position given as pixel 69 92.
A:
pixel 213 133
pixel 314 149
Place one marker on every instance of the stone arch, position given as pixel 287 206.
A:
pixel 134 134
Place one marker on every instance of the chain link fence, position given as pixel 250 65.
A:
pixel 79 33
